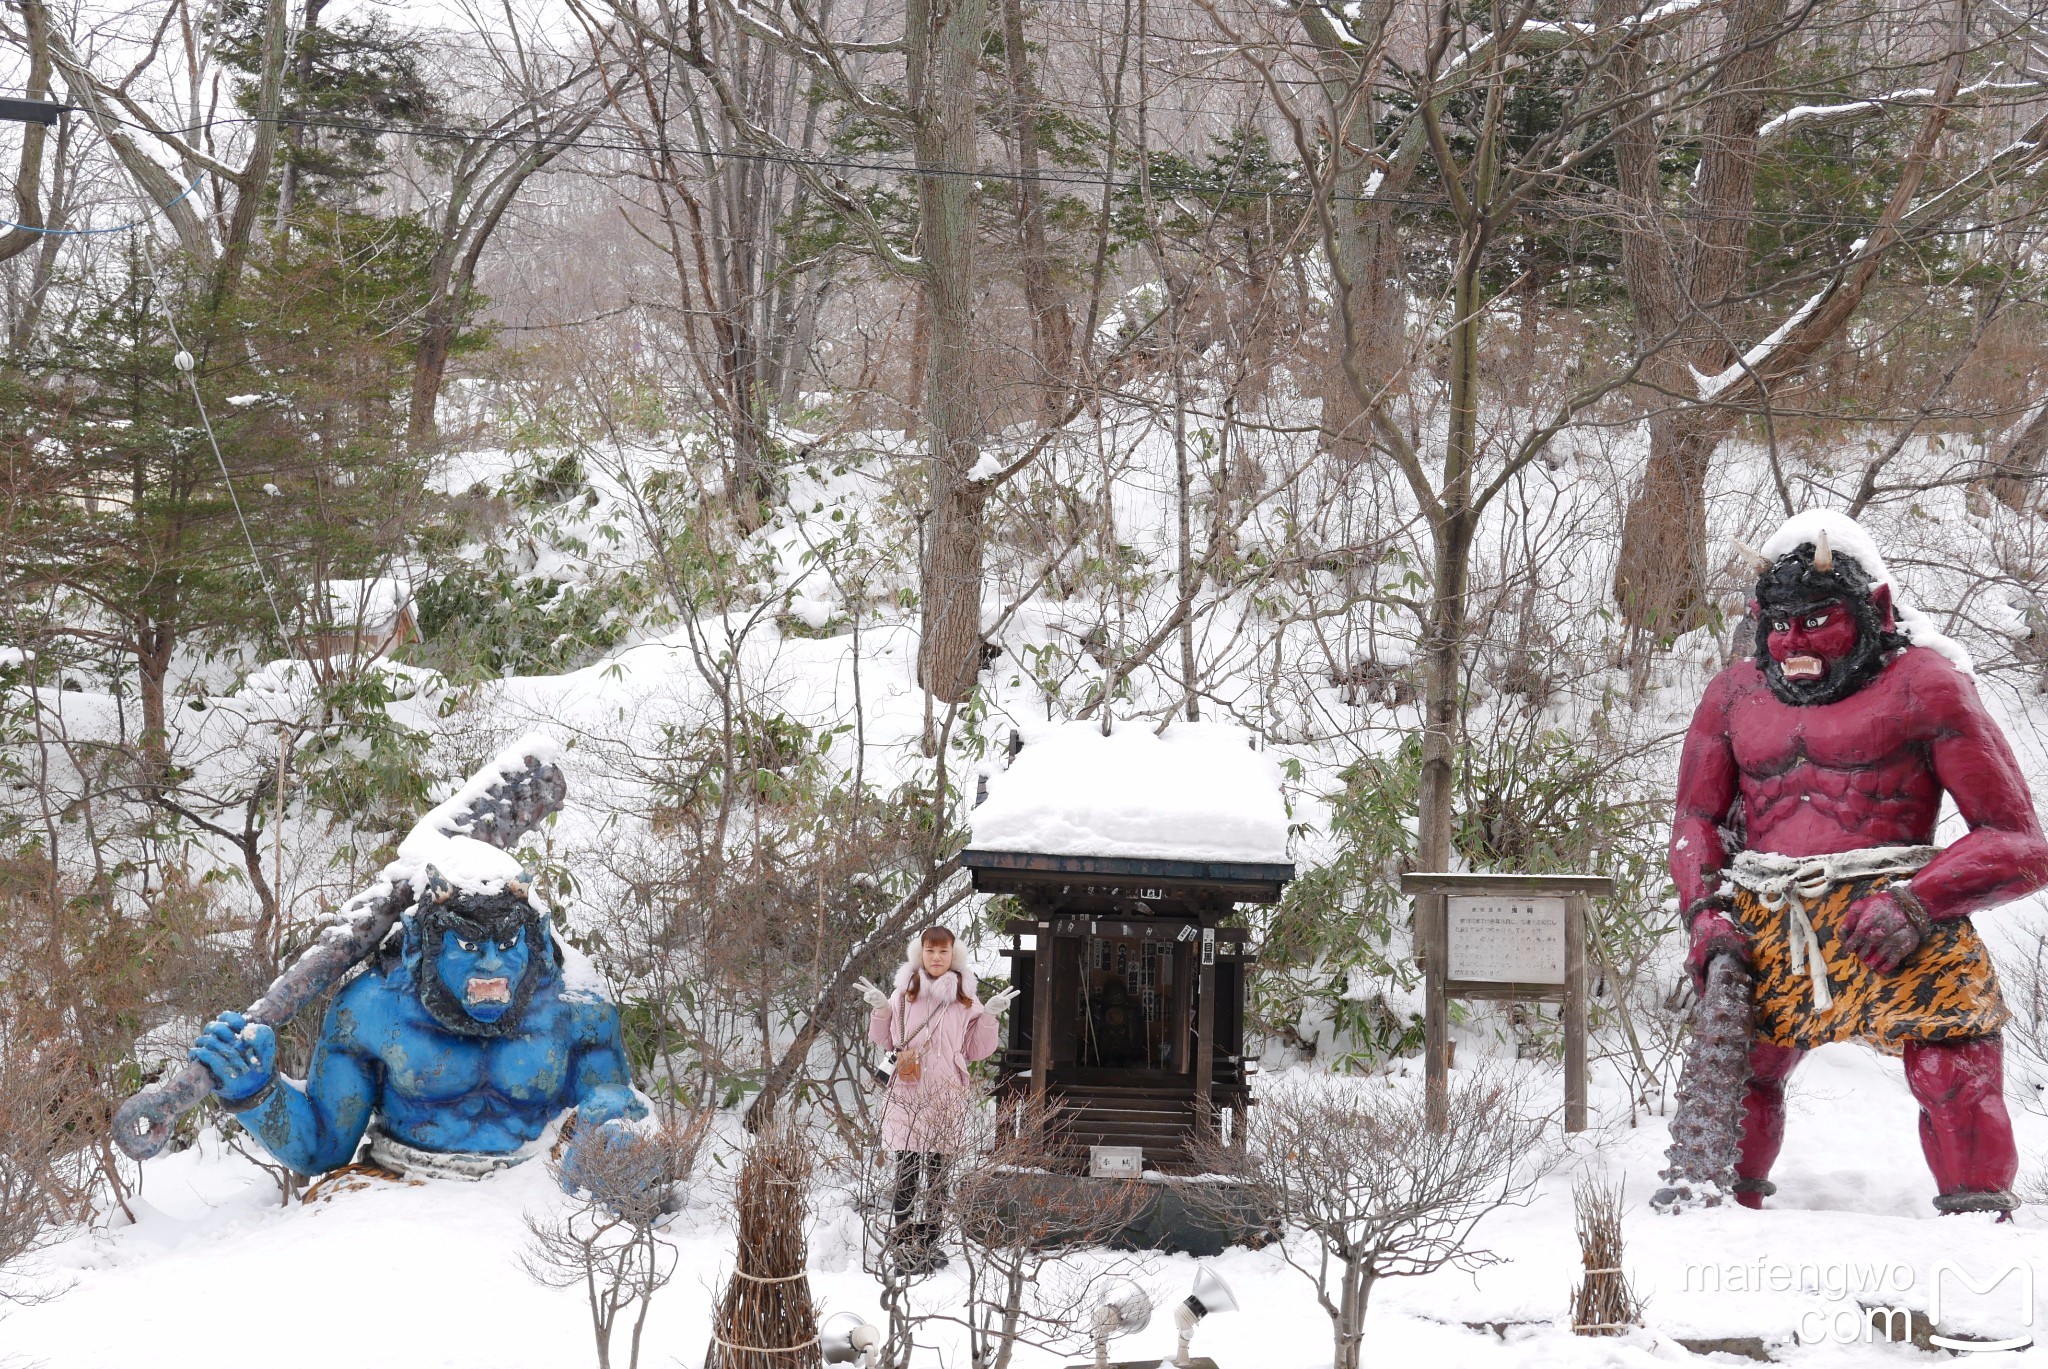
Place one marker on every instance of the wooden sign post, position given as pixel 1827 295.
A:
pixel 1503 937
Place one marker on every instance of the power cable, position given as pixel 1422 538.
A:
pixel 1106 182
pixel 187 366
pixel 89 232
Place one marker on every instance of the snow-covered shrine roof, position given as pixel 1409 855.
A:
pixel 1197 794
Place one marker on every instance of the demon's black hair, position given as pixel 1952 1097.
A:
pixel 1791 586
pixel 477 917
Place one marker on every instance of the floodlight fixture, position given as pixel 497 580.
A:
pixel 846 1338
pixel 1210 1294
pixel 1123 1309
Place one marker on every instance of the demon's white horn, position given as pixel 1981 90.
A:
pixel 1758 561
pixel 1823 554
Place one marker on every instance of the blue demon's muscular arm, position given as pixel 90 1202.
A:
pixel 600 1155
pixel 311 1128
pixel 600 1078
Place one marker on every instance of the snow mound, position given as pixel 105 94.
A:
pixel 1846 534
pixel 372 604
pixel 472 866
pixel 1196 792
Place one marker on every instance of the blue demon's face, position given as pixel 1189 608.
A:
pixel 483 974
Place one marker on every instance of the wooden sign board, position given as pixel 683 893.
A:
pixel 1513 939
pixel 1504 937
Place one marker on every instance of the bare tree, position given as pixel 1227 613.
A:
pixel 1694 285
pixel 735 227
pixel 990 1200
pixel 116 106
pixel 609 1241
pixel 1374 1187
pixel 941 48
pixel 488 170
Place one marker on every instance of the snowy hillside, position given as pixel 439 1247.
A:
pixel 213 1262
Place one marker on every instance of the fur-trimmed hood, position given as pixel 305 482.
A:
pixel 913 965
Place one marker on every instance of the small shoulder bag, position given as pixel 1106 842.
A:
pixel 905 1062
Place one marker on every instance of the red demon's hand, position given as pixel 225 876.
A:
pixel 1882 931
pixel 1714 932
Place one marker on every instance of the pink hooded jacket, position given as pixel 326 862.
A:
pixel 932 1114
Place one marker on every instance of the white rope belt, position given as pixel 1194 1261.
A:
pixel 468 1166
pixel 1792 884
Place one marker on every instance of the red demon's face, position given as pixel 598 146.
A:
pixel 1807 644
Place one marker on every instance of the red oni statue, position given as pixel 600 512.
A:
pixel 1808 793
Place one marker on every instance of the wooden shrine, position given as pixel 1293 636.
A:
pixel 1129 1026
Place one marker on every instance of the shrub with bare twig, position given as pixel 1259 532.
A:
pixel 609 1241
pixel 1012 1223
pixel 1369 1190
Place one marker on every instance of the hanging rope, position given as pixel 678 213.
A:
pixel 89 232
pixel 191 374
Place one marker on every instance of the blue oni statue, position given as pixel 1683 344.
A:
pixel 454 1050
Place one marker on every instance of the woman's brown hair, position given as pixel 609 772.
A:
pixel 935 936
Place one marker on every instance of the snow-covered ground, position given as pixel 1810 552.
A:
pixel 426 1277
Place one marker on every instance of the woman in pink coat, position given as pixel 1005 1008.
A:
pixel 936 1026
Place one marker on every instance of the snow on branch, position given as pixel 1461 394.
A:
pixel 1852 111
pixel 1789 343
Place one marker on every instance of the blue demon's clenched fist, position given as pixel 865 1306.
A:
pixel 241 1054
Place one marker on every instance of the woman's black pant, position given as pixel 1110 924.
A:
pixel 920 1194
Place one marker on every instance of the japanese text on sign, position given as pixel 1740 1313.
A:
pixel 1506 940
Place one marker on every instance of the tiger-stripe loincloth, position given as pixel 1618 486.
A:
pixel 1946 990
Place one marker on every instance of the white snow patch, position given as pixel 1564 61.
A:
pixel 371 603
pixel 1845 534
pixel 811 611
pixel 472 866
pixel 1196 792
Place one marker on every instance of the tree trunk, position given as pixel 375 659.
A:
pixel 945 43
pixel 429 370
pixel 155 644
pixel 1660 577
pixel 1350 1328
pixel 43 270
pixel 1689 300
pixel 2018 467
pixel 255 178
pixel 302 80
pixel 28 177
pixel 1052 341
pixel 752 486
pixel 1444 644
pixel 1364 246
pixel 1371 309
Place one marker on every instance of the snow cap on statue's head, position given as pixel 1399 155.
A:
pixel 1803 532
pixel 913 958
pixel 1813 574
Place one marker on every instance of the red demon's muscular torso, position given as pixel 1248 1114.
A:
pixel 1867 770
